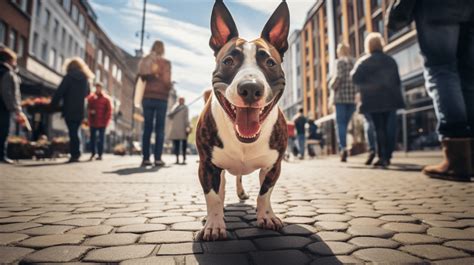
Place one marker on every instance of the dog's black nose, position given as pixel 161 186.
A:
pixel 250 91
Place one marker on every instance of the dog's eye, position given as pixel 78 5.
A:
pixel 270 63
pixel 228 61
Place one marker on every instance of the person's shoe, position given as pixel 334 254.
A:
pixel 370 159
pixel 457 161
pixel 159 163
pixel 73 160
pixel 381 163
pixel 146 163
pixel 344 155
pixel 6 161
pixel 92 157
pixel 99 158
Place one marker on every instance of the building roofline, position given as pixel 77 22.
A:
pixel 313 10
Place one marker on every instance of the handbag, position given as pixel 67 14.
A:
pixel 400 14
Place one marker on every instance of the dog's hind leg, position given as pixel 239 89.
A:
pixel 240 189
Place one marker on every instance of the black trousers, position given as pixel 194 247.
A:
pixel 385 129
pixel 4 128
pixel 74 142
pixel 184 146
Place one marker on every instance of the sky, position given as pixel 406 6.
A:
pixel 183 25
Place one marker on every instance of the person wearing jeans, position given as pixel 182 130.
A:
pixel 300 125
pixel 344 95
pixel 180 128
pixel 155 71
pixel 376 75
pixel 99 110
pixel 446 37
pixel 369 131
pixel 74 141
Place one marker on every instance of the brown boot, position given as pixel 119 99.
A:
pixel 456 164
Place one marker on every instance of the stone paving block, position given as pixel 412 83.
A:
pixel 331 248
pixel 373 242
pixel 236 225
pixel 52 240
pixel 366 221
pixel 9 238
pixel 47 230
pixel 446 224
pixel 91 230
pixel 298 230
pixel 413 239
pixel 300 214
pixel 167 237
pixel 141 228
pixel 433 252
pixel 329 210
pixel 461 261
pixel 333 217
pixel 281 242
pixel 217 259
pixel 116 254
pixel 364 214
pixel 17 219
pixel 299 220
pixel 80 222
pixel 336 226
pixel 12 254
pixel 281 257
pixel 229 246
pixel 125 221
pixel 164 260
pixel 336 260
pixel 187 226
pixel 434 217
pixel 57 254
pixel 112 240
pixel 8 228
pixel 172 220
pixel 405 227
pixel 451 233
pixel 367 230
pixel 248 233
pixel 180 249
pixel 386 256
pixel 331 236
pixel 465 245
pixel 53 219
pixel 399 218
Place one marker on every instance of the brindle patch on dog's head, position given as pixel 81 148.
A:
pixel 257 62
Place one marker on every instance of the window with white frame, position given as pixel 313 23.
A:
pixel 66 5
pixel 114 70
pixel 52 58
pixel 34 47
pixel 119 75
pixel 81 22
pixel 106 63
pixel 99 57
pixel 46 18
pixel 21 47
pixel 38 9
pixel 74 13
pixel 55 28
pixel 59 65
pixel 12 39
pixel 44 51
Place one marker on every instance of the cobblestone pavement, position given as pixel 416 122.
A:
pixel 113 212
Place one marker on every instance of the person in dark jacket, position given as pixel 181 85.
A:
pixel 99 110
pixel 300 122
pixel 376 75
pixel 72 91
pixel 446 38
pixel 9 97
pixel 155 70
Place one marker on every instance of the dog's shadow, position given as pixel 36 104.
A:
pixel 248 244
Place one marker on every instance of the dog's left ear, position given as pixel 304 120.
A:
pixel 277 28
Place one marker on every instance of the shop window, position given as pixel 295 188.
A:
pixel 12 39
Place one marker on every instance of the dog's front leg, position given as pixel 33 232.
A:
pixel 266 218
pixel 210 177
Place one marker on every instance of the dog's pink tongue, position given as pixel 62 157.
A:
pixel 247 121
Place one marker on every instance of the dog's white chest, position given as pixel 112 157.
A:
pixel 239 158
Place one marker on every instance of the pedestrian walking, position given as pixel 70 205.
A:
pixel 99 110
pixel 72 91
pixel 369 131
pixel 180 128
pixel 344 95
pixel 291 147
pixel 155 71
pixel 300 125
pixel 313 136
pixel 446 37
pixel 10 97
pixel 376 76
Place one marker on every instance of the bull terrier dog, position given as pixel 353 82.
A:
pixel 241 128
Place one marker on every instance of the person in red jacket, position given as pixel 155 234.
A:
pixel 99 109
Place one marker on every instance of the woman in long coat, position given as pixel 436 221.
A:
pixel 180 129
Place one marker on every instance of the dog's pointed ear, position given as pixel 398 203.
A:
pixel 222 26
pixel 277 28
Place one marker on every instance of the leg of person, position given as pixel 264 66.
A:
pixel 341 129
pixel 176 150
pixel 92 142
pixel 148 114
pixel 391 132
pixel 161 106
pixel 466 70
pixel 379 124
pixel 370 137
pixel 439 45
pixel 301 142
pixel 184 147
pixel 100 144
pixel 73 130
pixel 4 128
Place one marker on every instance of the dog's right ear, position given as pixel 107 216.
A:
pixel 222 26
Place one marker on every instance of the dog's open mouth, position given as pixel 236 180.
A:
pixel 247 121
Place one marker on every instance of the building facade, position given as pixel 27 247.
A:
pixel 331 22
pixel 292 97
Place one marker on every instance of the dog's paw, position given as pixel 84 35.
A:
pixel 214 229
pixel 268 220
pixel 243 196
